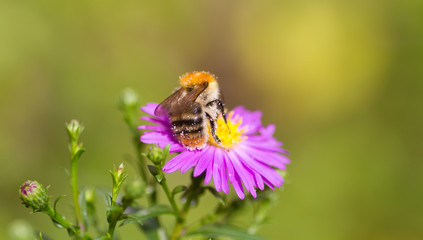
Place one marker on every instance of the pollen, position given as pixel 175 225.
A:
pixel 194 78
pixel 230 134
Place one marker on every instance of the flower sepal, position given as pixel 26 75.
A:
pixel 158 155
pixel 156 172
pixel 34 196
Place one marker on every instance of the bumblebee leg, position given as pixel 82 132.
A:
pixel 221 107
pixel 213 129
pixel 222 110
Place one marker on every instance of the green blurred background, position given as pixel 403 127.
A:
pixel 343 81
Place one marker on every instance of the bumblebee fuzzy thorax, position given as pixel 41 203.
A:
pixel 196 78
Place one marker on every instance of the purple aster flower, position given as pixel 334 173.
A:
pixel 248 155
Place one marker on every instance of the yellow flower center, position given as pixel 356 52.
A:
pixel 230 134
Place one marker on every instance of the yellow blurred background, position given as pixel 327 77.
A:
pixel 342 80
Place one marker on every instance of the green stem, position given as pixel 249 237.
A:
pixel 59 219
pixel 129 119
pixel 142 166
pixel 116 218
pixel 74 184
pixel 111 230
pixel 180 221
pixel 170 197
pixel 139 147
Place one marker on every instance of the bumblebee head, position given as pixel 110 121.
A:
pixel 193 79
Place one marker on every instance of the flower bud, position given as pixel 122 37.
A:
pixel 135 189
pixel 120 173
pixel 89 195
pixel 74 129
pixel 34 196
pixel 118 177
pixel 128 99
pixel 158 155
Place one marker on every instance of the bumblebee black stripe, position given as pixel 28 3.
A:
pixel 187 122
pixel 199 129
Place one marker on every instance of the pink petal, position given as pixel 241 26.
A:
pixel 155 137
pixel 224 177
pixel 203 162
pixel 238 187
pixel 159 128
pixel 149 108
pixel 192 161
pixel 264 170
pixel 245 175
pixel 209 173
pixel 177 162
pixel 259 181
pixel 153 120
pixel 217 165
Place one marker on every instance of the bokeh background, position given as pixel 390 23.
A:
pixel 342 80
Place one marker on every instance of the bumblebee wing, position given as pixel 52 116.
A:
pixel 179 101
pixel 163 108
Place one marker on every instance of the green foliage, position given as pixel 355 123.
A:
pixel 126 209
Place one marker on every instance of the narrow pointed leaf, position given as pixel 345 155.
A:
pixel 146 213
pixel 56 201
pixel 179 189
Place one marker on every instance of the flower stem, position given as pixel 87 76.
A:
pixel 192 192
pixel 180 221
pixel 129 104
pixel 74 129
pixel 74 183
pixel 59 219
pixel 170 197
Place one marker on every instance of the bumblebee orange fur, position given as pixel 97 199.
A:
pixel 193 143
pixel 195 78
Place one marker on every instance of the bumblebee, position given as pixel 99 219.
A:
pixel 193 109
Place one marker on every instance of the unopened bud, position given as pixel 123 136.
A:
pixel 34 196
pixel 135 189
pixel 118 176
pixel 120 173
pixel 128 99
pixel 89 195
pixel 74 129
pixel 158 155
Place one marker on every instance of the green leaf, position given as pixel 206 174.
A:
pixel 40 236
pixel 83 206
pixel 153 170
pixel 146 213
pixel 156 173
pixel 113 212
pixel 131 219
pixel 224 231
pixel 159 177
pixel 166 151
pixel 179 189
pixel 56 201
